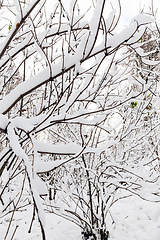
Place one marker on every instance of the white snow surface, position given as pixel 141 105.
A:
pixel 3 121
pixel 134 219
pixel 150 62
pixel 70 148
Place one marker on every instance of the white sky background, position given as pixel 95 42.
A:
pixel 130 8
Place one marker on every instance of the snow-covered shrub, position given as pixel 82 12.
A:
pixel 76 119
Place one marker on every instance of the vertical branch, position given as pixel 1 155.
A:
pixel 36 208
pixel 63 66
pixel 89 191
pixel 15 206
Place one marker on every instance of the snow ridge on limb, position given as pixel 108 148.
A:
pixel 17 149
pixel 43 77
pixel 16 27
pixel 3 122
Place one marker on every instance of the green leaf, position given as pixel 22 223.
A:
pixel 10 26
pixel 133 104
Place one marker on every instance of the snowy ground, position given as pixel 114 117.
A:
pixel 136 220
pixel 133 218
